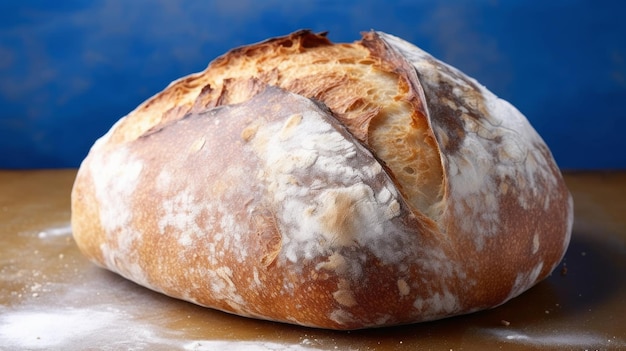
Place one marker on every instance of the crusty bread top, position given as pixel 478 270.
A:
pixel 368 91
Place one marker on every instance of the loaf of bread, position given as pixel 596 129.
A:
pixel 339 186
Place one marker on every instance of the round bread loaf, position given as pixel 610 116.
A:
pixel 339 186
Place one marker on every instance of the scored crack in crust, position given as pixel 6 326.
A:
pixel 340 186
pixel 361 83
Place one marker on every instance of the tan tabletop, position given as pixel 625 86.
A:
pixel 52 298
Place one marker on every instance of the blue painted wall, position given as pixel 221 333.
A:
pixel 70 69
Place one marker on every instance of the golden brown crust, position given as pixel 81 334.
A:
pixel 340 186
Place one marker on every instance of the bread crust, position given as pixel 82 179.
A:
pixel 256 190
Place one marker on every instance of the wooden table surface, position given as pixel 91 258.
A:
pixel 54 299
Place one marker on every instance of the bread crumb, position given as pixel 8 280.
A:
pixel 288 128
pixel 505 323
pixel 249 132
pixel 403 287
pixel 197 145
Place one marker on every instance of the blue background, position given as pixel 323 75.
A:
pixel 70 69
